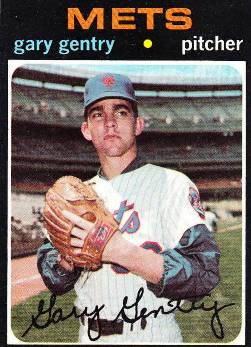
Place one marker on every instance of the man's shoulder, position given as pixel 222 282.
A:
pixel 93 179
pixel 166 172
pixel 149 170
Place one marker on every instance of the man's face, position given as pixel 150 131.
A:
pixel 112 127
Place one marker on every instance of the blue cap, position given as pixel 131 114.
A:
pixel 108 85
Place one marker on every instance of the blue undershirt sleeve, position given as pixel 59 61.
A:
pixel 191 269
pixel 55 277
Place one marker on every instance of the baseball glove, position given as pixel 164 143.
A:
pixel 71 194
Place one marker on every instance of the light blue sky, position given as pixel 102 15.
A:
pixel 150 73
pixel 159 70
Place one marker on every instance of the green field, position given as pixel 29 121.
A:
pixel 195 326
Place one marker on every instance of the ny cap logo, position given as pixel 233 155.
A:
pixel 108 81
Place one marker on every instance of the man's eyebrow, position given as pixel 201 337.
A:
pixel 94 108
pixel 116 107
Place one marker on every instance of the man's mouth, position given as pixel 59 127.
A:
pixel 111 137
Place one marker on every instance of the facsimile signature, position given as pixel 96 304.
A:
pixel 53 316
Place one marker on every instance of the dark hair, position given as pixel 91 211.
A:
pixel 133 104
pixel 135 109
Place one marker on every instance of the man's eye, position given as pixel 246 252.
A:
pixel 97 115
pixel 122 113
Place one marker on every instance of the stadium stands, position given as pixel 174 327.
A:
pixel 193 128
pixel 197 114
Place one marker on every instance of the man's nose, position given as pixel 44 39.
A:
pixel 110 120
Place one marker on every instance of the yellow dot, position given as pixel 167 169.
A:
pixel 148 43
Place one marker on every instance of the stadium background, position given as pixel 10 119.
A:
pixel 193 119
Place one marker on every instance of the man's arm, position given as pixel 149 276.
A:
pixel 191 269
pixel 188 270
pixel 56 278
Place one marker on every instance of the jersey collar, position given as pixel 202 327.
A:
pixel 134 164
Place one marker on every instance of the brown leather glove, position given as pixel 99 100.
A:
pixel 71 194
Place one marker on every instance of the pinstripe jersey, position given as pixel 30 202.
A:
pixel 153 207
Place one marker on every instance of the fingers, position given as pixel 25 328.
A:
pixel 67 265
pixel 75 242
pixel 80 222
pixel 77 239
pixel 80 233
pixel 76 250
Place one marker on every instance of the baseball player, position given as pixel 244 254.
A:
pixel 163 250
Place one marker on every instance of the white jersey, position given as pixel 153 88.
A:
pixel 153 207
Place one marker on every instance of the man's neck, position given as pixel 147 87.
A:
pixel 113 166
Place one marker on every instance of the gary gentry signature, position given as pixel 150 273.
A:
pixel 51 315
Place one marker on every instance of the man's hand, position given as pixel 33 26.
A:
pixel 81 229
pixel 118 250
pixel 64 263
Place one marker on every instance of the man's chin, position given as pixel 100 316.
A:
pixel 114 154
pixel 115 151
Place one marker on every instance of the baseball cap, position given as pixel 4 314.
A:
pixel 108 85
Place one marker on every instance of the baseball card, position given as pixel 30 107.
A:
pixel 123 152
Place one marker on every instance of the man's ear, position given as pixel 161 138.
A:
pixel 85 131
pixel 140 124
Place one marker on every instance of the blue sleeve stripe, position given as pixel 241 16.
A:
pixel 57 279
pixel 191 269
